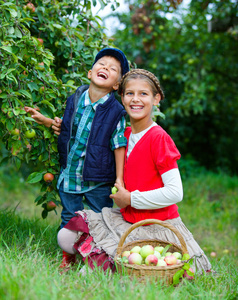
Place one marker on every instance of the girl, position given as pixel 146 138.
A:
pixel 152 186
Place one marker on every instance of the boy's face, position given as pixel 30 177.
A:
pixel 106 73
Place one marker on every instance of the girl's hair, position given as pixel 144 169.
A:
pixel 142 74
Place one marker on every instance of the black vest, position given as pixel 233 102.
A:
pixel 99 164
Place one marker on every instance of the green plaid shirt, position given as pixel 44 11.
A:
pixel 72 174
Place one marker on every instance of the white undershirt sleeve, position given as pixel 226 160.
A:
pixel 170 193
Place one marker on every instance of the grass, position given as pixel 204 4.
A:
pixel 30 256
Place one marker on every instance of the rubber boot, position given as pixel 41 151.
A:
pixel 68 259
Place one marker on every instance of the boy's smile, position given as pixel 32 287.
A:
pixel 105 73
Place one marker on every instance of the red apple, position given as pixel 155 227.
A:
pixel 48 177
pixel 125 254
pixel 31 7
pixel 41 41
pixel 151 260
pixel 170 260
pixel 50 205
pixel 185 275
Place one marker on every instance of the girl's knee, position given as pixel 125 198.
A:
pixel 66 239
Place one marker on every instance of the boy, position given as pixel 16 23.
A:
pixel 91 141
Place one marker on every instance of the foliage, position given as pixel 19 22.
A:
pixel 46 50
pixel 194 54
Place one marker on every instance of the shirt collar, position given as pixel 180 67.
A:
pixel 86 101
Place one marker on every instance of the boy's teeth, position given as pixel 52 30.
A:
pixel 102 75
pixel 136 107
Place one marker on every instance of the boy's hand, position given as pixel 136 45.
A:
pixel 38 117
pixel 122 198
pixel 56 125
pixel 120 182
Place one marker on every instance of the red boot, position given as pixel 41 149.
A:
pixel 68 259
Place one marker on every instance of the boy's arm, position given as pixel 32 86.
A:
pixel 38 117
pixel 119 158
pixel 42 120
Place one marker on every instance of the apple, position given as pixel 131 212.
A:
pixel 136 249
pixel 135 259
pixel 15 131
pixel 114 190
pixel 157 254
pixel 213 254
pixel 30 6
pixel 41 66
pixel 41 89
pixel 30 133
pixel 146 250
pixel 190 277
pixel 170 260
pixel 178 261
pixel 48 177
pixel 151 260
pixel 125 254
pixel 177 255
pixel 41 41
pixel 50 205
pixel 168 254
pixel 161 263
pixel 159 249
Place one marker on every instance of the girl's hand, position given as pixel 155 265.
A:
pixel 120 182
pixel 122 198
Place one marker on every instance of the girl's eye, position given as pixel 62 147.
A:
pixel 143 94
pixel 129 93
pixel 113 69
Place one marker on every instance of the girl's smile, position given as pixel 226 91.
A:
pixel 138 100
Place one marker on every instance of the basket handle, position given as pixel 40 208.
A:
pixel 152 221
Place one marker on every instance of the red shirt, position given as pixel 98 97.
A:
pixel 154 154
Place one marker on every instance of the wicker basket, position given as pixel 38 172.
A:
pixel 142 272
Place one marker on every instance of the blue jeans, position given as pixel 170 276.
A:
pixel 96 199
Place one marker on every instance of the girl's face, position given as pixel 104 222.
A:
pixel 138 100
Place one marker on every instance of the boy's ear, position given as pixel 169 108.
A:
pixel 115 86
pixel 89 74
pixel 157 99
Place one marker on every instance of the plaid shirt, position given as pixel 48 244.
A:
pixel 72 174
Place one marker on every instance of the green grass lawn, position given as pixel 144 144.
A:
pixel 30 256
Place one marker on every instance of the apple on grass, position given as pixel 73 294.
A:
pixel 189 274
pixel 151 260
pixel 135 259
pixel 146 250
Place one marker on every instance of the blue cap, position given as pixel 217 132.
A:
pixel 118 54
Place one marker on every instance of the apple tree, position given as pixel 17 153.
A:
pixel 193 51
pixel 46 49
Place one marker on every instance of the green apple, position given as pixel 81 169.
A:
pixel 159 249
pixel 136 249
pixel 114 190
pixel 146 250
pixel 30 133
pixel 15 131
pixel 177 255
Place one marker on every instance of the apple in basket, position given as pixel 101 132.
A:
pixel 136 249
pixel 177 255
pixel 157 254
pixel 126 253
pixel 159 249
pixel 170 260
pixel 161 263
pixel 151 260
pixel 146 250
pixel 135 259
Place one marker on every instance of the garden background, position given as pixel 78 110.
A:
pixel 46 49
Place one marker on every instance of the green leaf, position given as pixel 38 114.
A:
pixel 177 276
pixel 186 266
pixel 35 177
pixel 25 93
pixel 166 249
pixel 44 214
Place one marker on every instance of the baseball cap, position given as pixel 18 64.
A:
pixel 118 54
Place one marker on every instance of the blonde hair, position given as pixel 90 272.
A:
pixel 142 74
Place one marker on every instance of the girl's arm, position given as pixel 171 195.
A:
pixel 171 193
pixel 119 158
